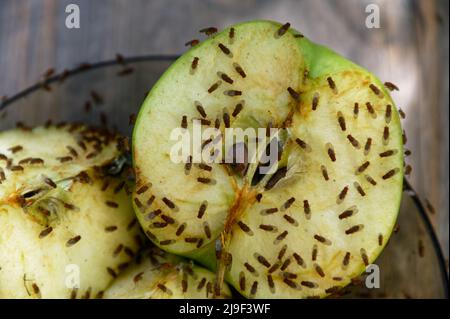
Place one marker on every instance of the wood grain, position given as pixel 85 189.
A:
pixel 410 49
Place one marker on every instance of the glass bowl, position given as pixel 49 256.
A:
pixel 109 93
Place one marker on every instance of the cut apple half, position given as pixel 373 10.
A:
pixel 156 274
pixel 67 226
pixel 327 208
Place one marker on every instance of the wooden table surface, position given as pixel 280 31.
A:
pixel 410 49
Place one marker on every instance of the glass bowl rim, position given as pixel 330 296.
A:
pixel 86 67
